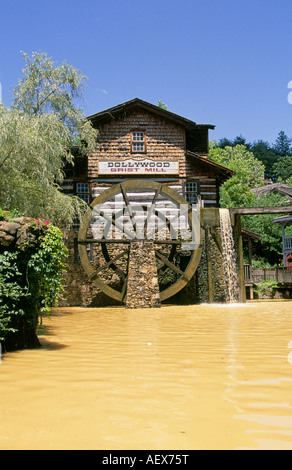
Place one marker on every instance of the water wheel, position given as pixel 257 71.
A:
pixel 135 210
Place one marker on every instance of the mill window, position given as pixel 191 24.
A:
pixel 191 190
pixel 138 142
pixel 82 191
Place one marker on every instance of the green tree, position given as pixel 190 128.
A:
pixel 282 145
pixel 249 171
pixel 36 136
pixel 264 152
pixel 162 105
pixel 225 142
pixel 238 140
pixel 283 168
pixel 270 246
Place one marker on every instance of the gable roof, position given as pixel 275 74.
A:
pixel 111 113
pixel 281 188
pixel 285 220
pixel 223 172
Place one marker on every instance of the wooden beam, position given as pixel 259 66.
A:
pixel 169 263
pixel 103 240
pixel 261 210
pixel 109 263
pixel 238 240
pixel 209 265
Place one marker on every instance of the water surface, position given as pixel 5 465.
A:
pixel 195 377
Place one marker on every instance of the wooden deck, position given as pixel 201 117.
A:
pixel 282 275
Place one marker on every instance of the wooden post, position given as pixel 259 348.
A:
pixel 283 244
pixel 240 261
pixel 250 256
pixel 209 265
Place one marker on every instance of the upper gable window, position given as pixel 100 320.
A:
pixel 138 144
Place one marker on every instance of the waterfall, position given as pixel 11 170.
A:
pixel 229 257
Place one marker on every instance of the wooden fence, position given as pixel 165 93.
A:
pixel 254 275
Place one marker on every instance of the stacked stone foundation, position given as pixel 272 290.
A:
pixel 142 285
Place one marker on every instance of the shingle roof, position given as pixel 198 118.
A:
pixel 137 102
pixel 281 188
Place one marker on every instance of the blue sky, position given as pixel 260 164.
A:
pixel 226 63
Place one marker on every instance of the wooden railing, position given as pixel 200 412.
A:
pixel 284 275
pixel 248 273
pixel 281 275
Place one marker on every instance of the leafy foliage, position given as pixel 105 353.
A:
pixel 283 168
pixel 236 192
pixel 276 157
pixel 162 105
pixel 266 287
pixel 31 278
pixel 11 291
pixel 282 146
pixel 270 247
pixel 36 136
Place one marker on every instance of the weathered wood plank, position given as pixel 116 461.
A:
pixel 261 210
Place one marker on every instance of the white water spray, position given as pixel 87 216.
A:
pixel 229 257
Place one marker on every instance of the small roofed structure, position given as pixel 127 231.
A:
pixel 285 221
pixel 276 188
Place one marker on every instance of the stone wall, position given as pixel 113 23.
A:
pixel 16 234
pixel 142 285
pixel 207 285
pixel 79 291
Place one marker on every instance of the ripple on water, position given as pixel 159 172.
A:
pixel 191 377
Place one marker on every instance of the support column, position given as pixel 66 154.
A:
pixel 142 284
pixel 240 261
pixel 209 265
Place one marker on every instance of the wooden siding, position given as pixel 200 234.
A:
pixel 164 141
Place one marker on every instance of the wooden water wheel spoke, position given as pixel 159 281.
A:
pixel 111 261
pixel 171 242
pixel 152 207
pixel 124 289
pixel 116 224
pixel 104 240
pixel 167 238
pixel 169 263
pixel 128 207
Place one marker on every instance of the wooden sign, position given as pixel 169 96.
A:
pixel 139 167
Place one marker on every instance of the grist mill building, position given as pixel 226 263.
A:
pixel 140 142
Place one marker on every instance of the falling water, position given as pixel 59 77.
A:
pixel 229 257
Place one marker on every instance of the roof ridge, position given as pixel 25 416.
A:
pixel 164 112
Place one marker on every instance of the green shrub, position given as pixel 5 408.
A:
pixel 30 280
pixel 265 287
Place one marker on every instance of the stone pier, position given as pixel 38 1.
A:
pixel 142 285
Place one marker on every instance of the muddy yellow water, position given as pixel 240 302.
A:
pixel 195 377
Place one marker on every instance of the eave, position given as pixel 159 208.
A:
pixel 114 112
pixel 223 172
